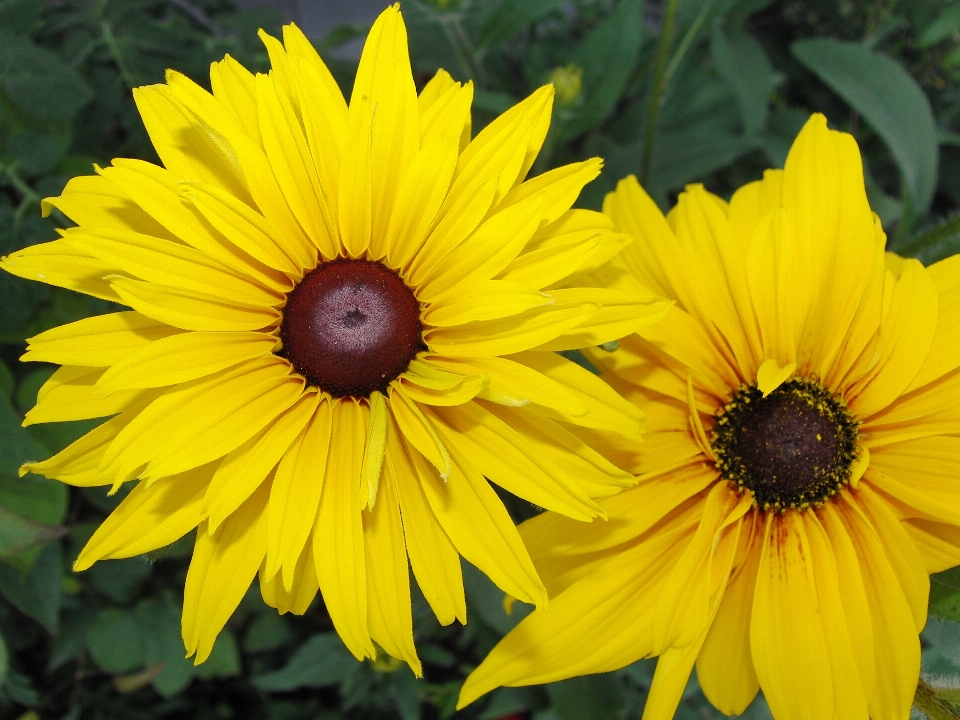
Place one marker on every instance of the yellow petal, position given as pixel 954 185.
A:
pixel 355 191
pixel 197 354
pixel 295 497
pixel 385 79
pixel 168 263
pixel 223 566
pixel 786 635
pixel 338 536
pixel 419 431
pixel 188 309
pixel 895 639
pixel 388 578
pixel 445 109
pixel 303 589
pixel 98 341
pixel 243 226
pixel 524 331
pixel 482 300
pixel 71 394
pixel 245 468
pixel 78 463
pixel 480 528
pixel 558 188
pixel 503 456
pixel 149 518
pixel 433 558
pixel 375 447
pixel 771 375
pixel 621 313
pixel 94 201
pixel 235 88
pixel 289 156
pixel 57 263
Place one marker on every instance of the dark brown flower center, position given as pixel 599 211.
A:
pixel 351 326
pixel 793 449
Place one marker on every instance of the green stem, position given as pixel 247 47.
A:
pixel 110 40
pixel 656 88
pixel 687 41
pixel 942 232
pixel 468 58
pixel 927 702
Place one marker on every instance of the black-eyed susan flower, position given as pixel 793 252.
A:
pixel 343 323
pixel 801 474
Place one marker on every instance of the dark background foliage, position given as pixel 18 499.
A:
pixel 706 91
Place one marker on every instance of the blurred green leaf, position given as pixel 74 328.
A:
pixel 17 533
pixel 38 592
pixel 159 619
pixel 889 99
pixel 591 697
pixel 322 660
pixel 607 55
pixel 942 654
pixel 224 660
pixel 115 641
pixel 512 16
pixel 938 242
pixel 945 594
pixel 35 497
pixel 267 632
pixel 4 660
pixel 19 16
pixel 742 62
pixel 6 380
pixel 119 580
pixel 16 445
pixel 943 27
pixel 35 153
pixel 38 81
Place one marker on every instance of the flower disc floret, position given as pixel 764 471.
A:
pixel 351 327
pixel 794 448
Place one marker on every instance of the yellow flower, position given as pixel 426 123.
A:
pixel 312 372
pixel 801 473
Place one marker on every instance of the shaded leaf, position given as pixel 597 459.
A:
pixel 17 533
pixel 512 16
pixel 115 641
pixel 34 497
pixel 38 81
pixel 945 594
pixel 321 660
pixel 38 592
pixel 224 660
pixel 742 62
pixel 889 99
pixel 159 619
pixel 592 697
pixel 607 55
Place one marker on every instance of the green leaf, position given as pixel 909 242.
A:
pixel 115 641
pixel 268 632
pixel 512 16
pixel 322 660
pixel 119 580
pixel 17 533
pixel 4 661
pixel 937 243
pixel 941 651
pixel 16 444
pixel 945 594
pixel 943 27
pixel 159 619
pixel 607 55
pixel 486 600
pixel 19 16
pixel 34 497
pixel 591 697
pixel 36 153
pixel 38 81
pixel 38 592
pixel 6 381
pixel 224 660
pixel 889 99
pixel 742 62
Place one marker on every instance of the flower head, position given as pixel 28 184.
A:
pixel 800 475
pixel 343 323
